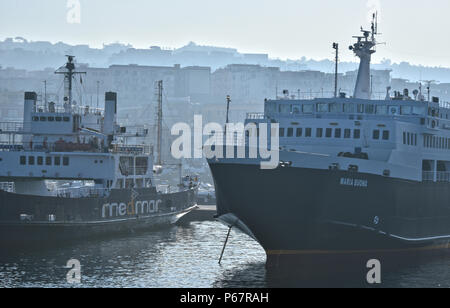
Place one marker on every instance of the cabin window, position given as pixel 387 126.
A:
pixel 386 135
pixel 40 160
pixel 48 161
pixel 299 132
pixel 404 138
pixel 405 110
pixel 58 119
pixel 296 109
pixel 319 132
pixel 308 132
pixel 335 108
pixel 30 160
pixel 35 119
pixel 329 132
pixel 290 132
pixel 43 119
pixel 322 107
pixel 349 108
pixel 57 161
pixel 284 108
pixel 66 119
pixel 281 132
pixel 347 133
pixel 51 119
pixel 23 160
pixel 360 108
pixel 337 133
pixel 376 134
pixel 419 110
pixel 381 109
pixel 356 134
pixel 308 108
pixel 65 161
pixel 370 109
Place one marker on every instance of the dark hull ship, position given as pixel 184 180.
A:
pixel 357 179
pixel 71 144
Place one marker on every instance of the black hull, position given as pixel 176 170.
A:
pixel 320 216
pixel 83 218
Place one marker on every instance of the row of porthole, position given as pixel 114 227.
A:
pixel 51 119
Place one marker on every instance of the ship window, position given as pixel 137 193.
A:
pixel 308 108
pixel 299 132
pixel 386 135
pixel 381 109
pixel 23 160
pixel 329 132
pixel 51 119
pixel 296 109
pixel 404 138
pixel 370 109
pixel 284 108
pixel 40 160
pixel 65 161
pixel 347 133
pixel 408 138
pixel 66 119
pixel 376 134
pixel 43 119
pixel 335 108
pixel 337 133
pixel 290 132
pixel 281 132
pixel 357 134
pixel 322 107
pixel 349 108
pixel 58 119
pixel 405 110
pixel 35 119
pixel 419 110
pixel 57 161
pixel 30 160
pixel 48 161
pixel 308 132
pixel 360 108
pixel 319 132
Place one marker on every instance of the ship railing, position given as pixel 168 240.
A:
pixel 441 176
pixel 11 127
pixel 82 192
pixel 7 186
pixel 132 149
pixel 255 116
pixel 50 147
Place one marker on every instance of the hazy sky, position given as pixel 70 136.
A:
pixel 414 30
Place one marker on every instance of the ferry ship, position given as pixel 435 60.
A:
pixel 78 144
pixel 357 179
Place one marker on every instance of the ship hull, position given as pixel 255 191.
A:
pixel 316 218
pixel 54 220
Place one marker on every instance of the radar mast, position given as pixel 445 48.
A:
pixel 364 48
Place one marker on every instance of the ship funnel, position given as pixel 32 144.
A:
pixel 28 108
pixel 110 113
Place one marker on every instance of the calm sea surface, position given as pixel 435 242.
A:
pixel 176 257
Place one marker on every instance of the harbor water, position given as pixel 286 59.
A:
pixel 180 256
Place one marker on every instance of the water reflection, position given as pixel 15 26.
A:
pixel 180 257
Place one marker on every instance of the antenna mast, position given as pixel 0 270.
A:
pixel 68 71
pixel 159 128
pixel 336 47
